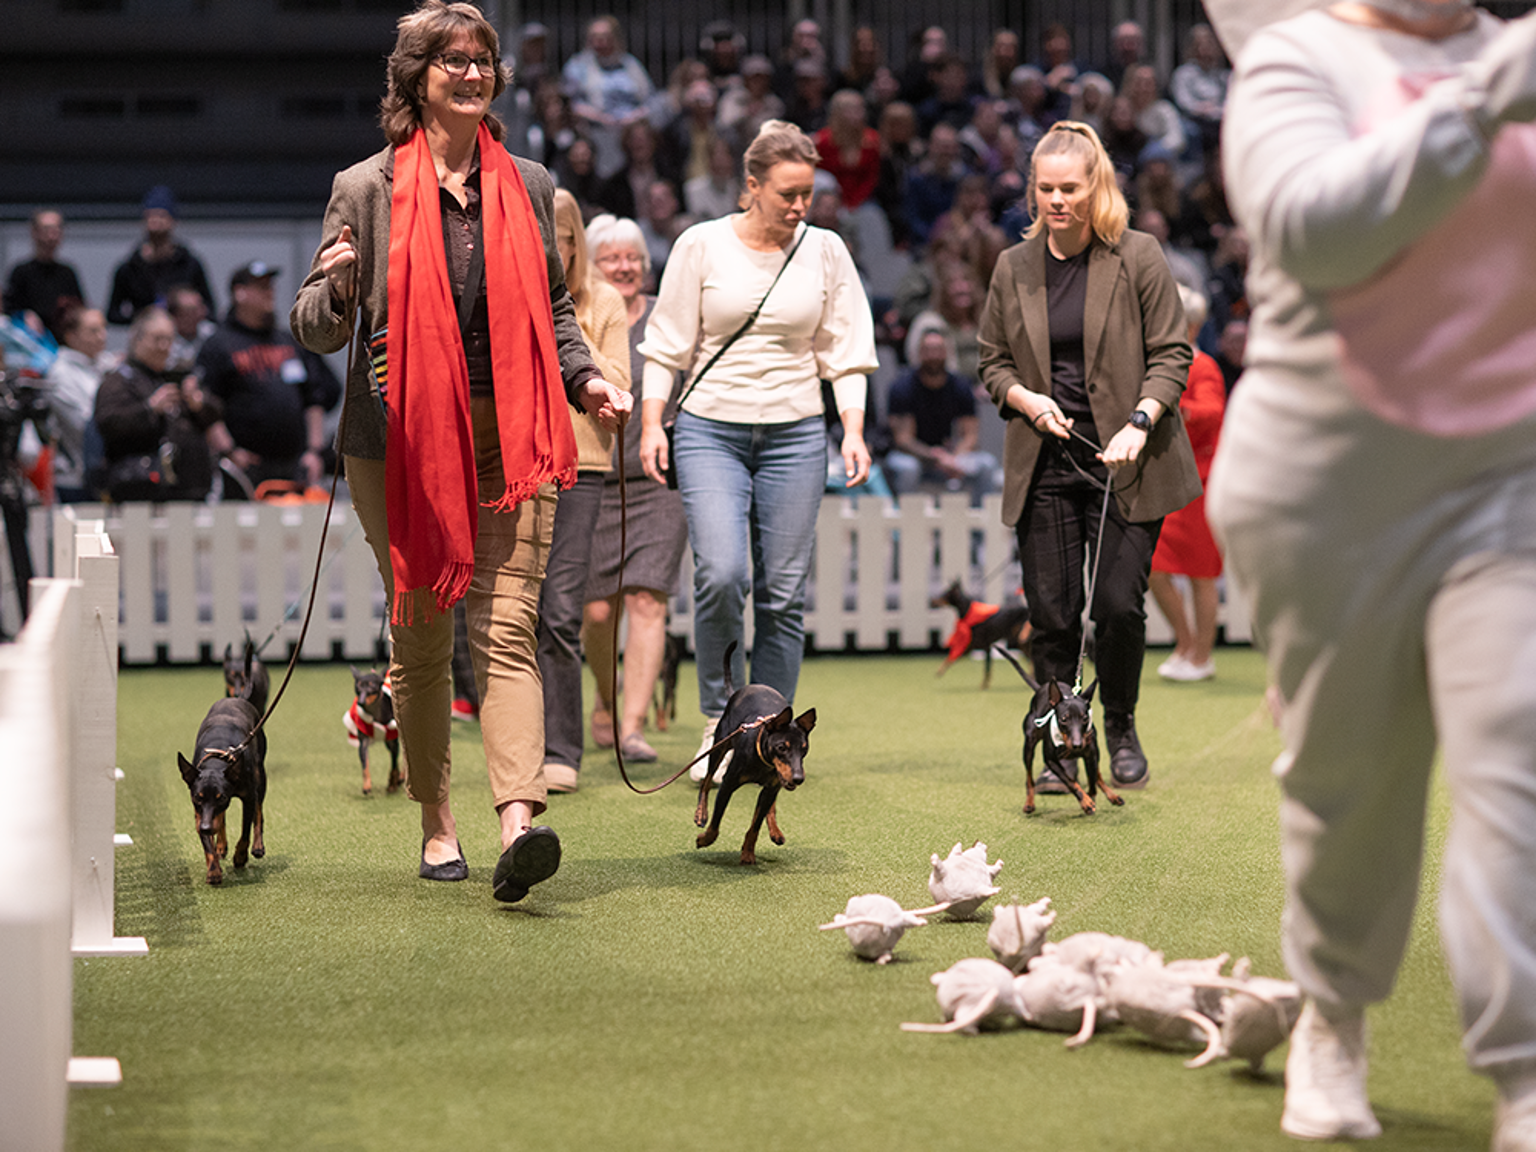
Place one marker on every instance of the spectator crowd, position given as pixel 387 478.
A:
pixel 923 164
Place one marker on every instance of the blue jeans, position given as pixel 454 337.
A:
pixel 751 493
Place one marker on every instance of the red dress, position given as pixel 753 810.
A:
pixel 1186 547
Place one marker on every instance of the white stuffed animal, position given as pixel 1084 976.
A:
pixel 1018 932
pixel 973 994
pixel 962 881
pixel 1257 1014
pixel 875 925
pixel 1164 1003
pixel 1059 998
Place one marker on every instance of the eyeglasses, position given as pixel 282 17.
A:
pixel 456 64
pixel 625 257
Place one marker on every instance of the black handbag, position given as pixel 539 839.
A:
pixel 669 427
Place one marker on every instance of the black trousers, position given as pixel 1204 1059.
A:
pixel 1058 531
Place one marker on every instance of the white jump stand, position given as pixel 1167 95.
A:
pixel 83 551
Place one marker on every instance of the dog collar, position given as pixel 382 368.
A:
pixel 1050 722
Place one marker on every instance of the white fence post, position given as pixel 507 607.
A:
pixel 82 549
pixel 36 979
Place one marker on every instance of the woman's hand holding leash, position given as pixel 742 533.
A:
pixel 606 404
pixel 1126 446
pixel 1042 411
pixel 1123 448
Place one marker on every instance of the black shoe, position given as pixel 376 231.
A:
pixel 1047 783
pixel 1127 762
pixel 533 857
pixel 447 870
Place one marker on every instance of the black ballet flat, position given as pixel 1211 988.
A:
pixel 531 858
pixel 447 870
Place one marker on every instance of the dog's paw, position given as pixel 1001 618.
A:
pixel 748 856
pixel 777 837
pixel 1029 809
pixel 1117 801
pixel 705 838
pixel 258 852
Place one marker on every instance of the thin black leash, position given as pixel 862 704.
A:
pixel 613 684
pixel 1098 547
pixel 325 526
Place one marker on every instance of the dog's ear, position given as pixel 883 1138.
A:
pixel 1053 693
pixel 1088 695
pixel 229 650
pixel 782 720
pixel 188 772
pixel 806 720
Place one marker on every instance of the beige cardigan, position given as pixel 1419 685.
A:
pixel 607 333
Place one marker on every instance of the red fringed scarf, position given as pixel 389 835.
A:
pixel 432 494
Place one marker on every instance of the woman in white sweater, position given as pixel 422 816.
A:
pixel 750 438
pixel 1376 492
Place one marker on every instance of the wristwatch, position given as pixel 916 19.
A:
pixel 1141 421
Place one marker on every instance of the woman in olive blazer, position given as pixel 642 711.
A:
pixel 1083 335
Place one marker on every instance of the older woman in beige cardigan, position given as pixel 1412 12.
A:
pixel 601 312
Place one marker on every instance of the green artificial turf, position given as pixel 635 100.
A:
pixel 653 996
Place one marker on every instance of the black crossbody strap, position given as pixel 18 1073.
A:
pixel 719 352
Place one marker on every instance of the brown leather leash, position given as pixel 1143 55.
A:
pixel 613 683
pixel 325 527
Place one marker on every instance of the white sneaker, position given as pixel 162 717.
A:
pixel 1325 1097
pixel 698 768
pixel 1186 672
pixel 1514 1127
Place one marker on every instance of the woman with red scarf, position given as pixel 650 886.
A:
pixel 456 431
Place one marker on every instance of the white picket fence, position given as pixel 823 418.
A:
pixel 58 743
pixel 198 577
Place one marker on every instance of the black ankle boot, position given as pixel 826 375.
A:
pixel 1127 762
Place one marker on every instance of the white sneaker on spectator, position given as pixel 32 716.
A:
pixel 1514 1126
pixel 1325 1097
pixel 1187 672
pixel 697 770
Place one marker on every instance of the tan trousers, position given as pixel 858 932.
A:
pixel 503 610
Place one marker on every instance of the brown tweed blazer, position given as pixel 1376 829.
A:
pixel 1134 345
pixel 360 196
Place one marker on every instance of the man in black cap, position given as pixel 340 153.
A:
pixel 721 47
pixel 156 264
pixel 275 393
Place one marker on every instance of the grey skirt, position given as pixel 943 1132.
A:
pixel 655 539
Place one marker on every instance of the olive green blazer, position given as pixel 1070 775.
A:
pixel 1134 345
